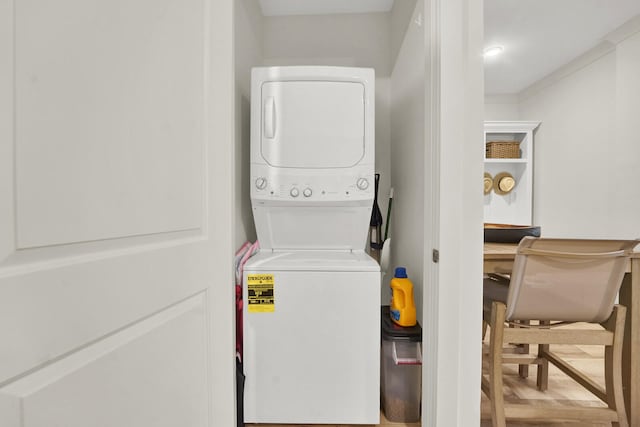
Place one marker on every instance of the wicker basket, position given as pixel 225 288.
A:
pixel 503 150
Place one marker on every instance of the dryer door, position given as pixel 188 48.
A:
pixel 312 124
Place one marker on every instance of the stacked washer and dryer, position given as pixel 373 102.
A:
pixel 312 294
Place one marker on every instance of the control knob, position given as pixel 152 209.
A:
pixel 294 192
pixel 307 192
pixel 261 183
pixel 362 183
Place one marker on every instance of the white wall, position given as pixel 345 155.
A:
pixel 501 107
pixel 570 150
pixel 586 150
pixel 383 155
pixel 248 53
pixel 407 160
pixel 624 171
pixel 401 13
pixel 356 40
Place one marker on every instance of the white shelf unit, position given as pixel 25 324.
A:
pixel 517 206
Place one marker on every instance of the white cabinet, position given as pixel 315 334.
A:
pixel 514 206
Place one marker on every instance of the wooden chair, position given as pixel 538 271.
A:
pixel 558 281
pixel 497 289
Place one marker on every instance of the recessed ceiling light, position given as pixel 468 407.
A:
pixel 493 51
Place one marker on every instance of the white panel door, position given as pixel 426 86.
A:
pixel 115 131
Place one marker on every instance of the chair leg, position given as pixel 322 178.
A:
pixel 496 390
pixel 523 370
pixel 542 380
pixel 613 365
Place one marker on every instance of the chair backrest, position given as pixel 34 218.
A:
pixel 574 280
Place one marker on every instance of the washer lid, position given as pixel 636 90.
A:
pixel 312 124
pixel 312 261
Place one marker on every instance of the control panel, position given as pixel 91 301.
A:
pixel 306 186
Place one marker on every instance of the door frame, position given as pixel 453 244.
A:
pixel 453 212
pixel 220 210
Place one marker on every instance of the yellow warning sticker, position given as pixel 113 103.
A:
pixel 260 297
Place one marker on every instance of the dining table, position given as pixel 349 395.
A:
pixel 499 258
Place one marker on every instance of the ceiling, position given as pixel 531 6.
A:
pixel 322 7
pixel 538 36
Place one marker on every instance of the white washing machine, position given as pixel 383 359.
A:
pixel 312 294
pixel 314 358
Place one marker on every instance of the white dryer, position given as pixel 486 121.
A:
pixel 312 295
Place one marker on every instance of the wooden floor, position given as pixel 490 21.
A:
pixel 383 422
pixel 562 389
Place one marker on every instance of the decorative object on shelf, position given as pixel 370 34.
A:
pixel 503 183
pixel 516 206
pixel 503 150
pixel 508 233
pixel 488 183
